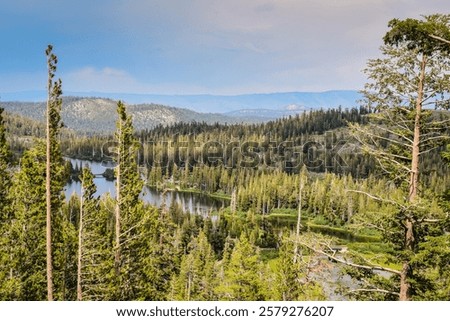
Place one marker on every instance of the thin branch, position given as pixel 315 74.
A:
pixel 373 135
pixel 430 220
pixel 395 134
pixel 434 220
pixel 440 39
pixel 434 137
pixel 429 150
pixel 375 290
pixel 359 266
pixel 377 198
pixel 367 224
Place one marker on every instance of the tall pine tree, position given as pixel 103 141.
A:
pixel 413 74
pixel 54 164
pixel 128 209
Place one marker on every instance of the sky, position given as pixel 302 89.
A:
pixel 199 46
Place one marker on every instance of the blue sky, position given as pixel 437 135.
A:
pixel 198 46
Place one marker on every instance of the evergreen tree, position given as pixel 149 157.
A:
pixel 5 180
pixel 94 244
pixel 5 217
pixel 161 255
pixel 130 216
pixel 293 281
pixel 54 168
pixel 27 237
pixel 413 74
pixel 196 277
pixel 243 274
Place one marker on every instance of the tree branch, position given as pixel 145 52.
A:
pixel 375 290
pixel 440 39
pixel 359 266
pixel 377 198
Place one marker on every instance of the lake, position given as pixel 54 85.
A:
pixel 197 203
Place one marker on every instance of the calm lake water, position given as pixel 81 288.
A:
pixel 190 202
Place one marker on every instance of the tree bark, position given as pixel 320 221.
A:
pixel 47 188
pixel 299 219
pixel 405 286
pixel 118 200
pixel 80 245
pixel 414 179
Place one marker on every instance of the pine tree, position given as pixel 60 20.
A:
pixel 94 245
pixel 129 209
pixel 27 237
pixel 413 74
pixel 243 278
pixel 161 255
pixel 195 280
pixel 39 237
pixel 5 217
pixel 292 279
pixel 53 168
pixel 5 157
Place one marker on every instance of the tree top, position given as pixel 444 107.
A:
pixel 428 35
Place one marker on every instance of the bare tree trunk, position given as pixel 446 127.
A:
pixel 414 180
pixel 299 219
pixel 233 204
pixel 80 246
pixel 405 285
pixel 48 199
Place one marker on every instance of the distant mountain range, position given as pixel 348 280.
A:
pixel 98 115
pixel 288 102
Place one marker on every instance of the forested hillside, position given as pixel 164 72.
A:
pixel 97 115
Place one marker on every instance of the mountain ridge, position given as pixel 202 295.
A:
pixel 98 115
pixel 217 103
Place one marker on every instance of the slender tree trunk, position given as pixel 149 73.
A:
pixel 118 200
pixel 80 246
pixel 405 285
pixel 48 199
pixel 299 219
pixel 189 288
pixel 233 204
pixel 414 180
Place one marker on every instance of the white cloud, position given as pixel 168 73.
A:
pixel 103 80
pixel 112 80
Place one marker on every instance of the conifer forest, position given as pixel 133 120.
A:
pixel 327 204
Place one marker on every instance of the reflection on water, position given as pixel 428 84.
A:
pixel 190 202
